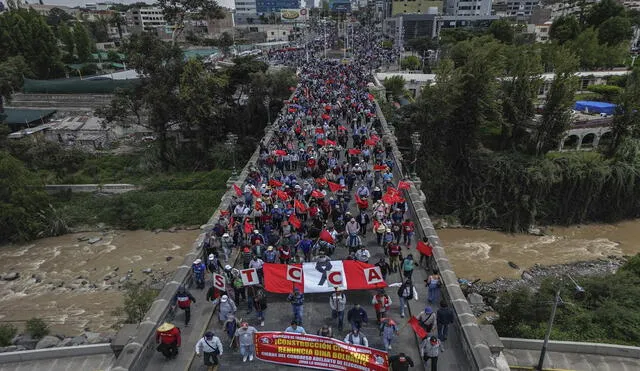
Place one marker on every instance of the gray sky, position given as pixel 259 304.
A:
pixel 73 3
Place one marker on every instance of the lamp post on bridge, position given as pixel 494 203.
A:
pixel 578 294
pixel 416 144
pixel 231 142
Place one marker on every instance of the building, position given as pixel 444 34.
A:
pixel 468 8
pixel 19 119
pixel 145 19
pixel 272 6
pixel 541 31
pixel 405 27
pixel 521 8
pixel 272 32
pixel 215 27
pixel 245 11
pixel 87 132
pixel 568 8
pixel 44 10
pixel 414 82
pixel 480 22
pixel 415 7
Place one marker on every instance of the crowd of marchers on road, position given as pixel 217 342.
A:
pixel 295 206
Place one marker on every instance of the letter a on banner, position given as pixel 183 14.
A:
pixel 335 279
pixel 294 274
pixel 219 281
pixel 249 276
pixel 373 275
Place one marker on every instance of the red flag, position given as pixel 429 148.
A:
pixel 326 236
pixel 329 142
pixel 248 227
pixel 392 191
pixel 388 199
pixel 319 130
pixel 370 142
pixel 404 184
pixel 334 187
pixel 321 181
pixel 224 212
pixel 300 206
pixel 424 248
pixel 379 167
pixel 258 206
pixel 275 183
pixel 292 110
pixel 295 222
pixel 282 195
pixel 371 97
pixel 415 325
pixel 362 204
pixel 237 189
pixel 354 151
pixel 321 142
pixel 280 152
pixel 327 107
pixel 317 194
pixel 325 116
pixel 255 193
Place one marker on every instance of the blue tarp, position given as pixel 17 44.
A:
pixel 595 107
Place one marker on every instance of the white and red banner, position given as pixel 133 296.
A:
pixel 311 351
pixel 322 276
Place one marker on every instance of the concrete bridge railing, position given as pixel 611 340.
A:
pixel 607 350
pixel 474 344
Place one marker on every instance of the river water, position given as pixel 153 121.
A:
pixel 63 280
pixel 485 254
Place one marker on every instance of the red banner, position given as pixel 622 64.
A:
pixel 311 351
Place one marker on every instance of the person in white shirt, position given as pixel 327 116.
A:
pixel 363 255
pixel 295 328
pixel 211 347
pixel 355 337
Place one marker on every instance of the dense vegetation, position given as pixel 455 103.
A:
pixel 607 314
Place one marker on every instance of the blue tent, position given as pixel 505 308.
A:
pixel 595 107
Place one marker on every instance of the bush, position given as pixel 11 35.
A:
pixel 37 328
pixel 137 301
pixel 7 332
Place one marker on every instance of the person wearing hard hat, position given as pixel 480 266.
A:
pixel 199 269
pixel 211 347
pixel 168 340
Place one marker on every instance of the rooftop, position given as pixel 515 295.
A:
pixel 17 116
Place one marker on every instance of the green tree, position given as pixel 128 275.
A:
pixel 564 28
pixel 394 85
pixel 502 30
pixel 602 11
pixel 57 16
pixel 117 20
pixel 12 73
pixel 225 42
pixel 65 35
pixel 626 121
pixel 615 30
pixel 177 12
pixel 556 114
pixel 587 49
pixel 411 63
pixel 7 332
pixel 99 29
pixel 83 42
pixel 138 298
pixel 421 44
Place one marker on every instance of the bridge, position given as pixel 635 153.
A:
pixel 587 135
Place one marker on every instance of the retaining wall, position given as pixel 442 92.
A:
pixel 611 350
pixel 103 188
pixel 51 353
pixel 473 343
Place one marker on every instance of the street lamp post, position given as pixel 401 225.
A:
pixel 578 294
pixel 231 142
pixel 417 144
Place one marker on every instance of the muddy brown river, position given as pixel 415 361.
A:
pixel 485 254
pixel 62 279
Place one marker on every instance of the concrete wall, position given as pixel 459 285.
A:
pixel 62 102
pixel 54 353
pixel 473 342
pixel 611 350
pixel 104 188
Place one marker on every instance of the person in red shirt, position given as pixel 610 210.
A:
pixel 408 230
pixel 168 338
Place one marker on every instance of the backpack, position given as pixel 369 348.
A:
pixel 351 339
pixel 407 265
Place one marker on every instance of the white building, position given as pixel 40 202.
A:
pixel 521 8
pixel 541 31
pixel 245 9
pixel 145 19
pixel 467 7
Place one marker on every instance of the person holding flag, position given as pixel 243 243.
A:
pixel 426 251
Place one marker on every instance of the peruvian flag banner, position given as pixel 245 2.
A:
pixel 322 277
pixel 237 189
pixel 248 227
pixel 379 167
pixel 403 184
pixel 282 195
pixel 326 236
pixel 275 183
pixel 321 142
pixel 280 152
pixel 424 248
pixel 354 151
pixel 419 330
pixel 329 142
pixel 299 206
pixel 255 193
pixel 294 221
pixel 317 194
pixel 334 187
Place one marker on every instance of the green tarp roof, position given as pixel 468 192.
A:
pixel 23 116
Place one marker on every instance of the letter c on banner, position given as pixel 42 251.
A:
pixel 294 274
pixel 218 281
pixel 373 275
pixel 335 279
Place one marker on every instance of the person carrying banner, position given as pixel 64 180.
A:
pixel 297 304
pixel 381 304
pixel 355 337
pixel 325 331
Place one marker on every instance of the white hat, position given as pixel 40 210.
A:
pixel 224 298
pixel 197 261
pixel 255 231
pixel 275 206
pixel 227 267
pixel 211 257
pixel 225 235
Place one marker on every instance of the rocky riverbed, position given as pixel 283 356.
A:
pixel 26 342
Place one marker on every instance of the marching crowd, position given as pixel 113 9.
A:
pixel 321 185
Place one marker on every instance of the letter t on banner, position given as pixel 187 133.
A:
pixel 335 279
pixel 219 281
pixel 373 275
pixel 249 277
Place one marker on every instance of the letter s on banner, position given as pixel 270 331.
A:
pixel 294 274
pixel 249 276
pixel 373 275
pixel 218 281
pixel 335 279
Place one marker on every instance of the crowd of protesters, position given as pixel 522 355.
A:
pixel 325 169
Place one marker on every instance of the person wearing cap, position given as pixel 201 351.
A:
pixel 245 340
pixel 381 304
pixel 352 228
pixel 270 256
pixel 295 328
pixel 168 340
pixel 325 331
pixel 427 319
pixel 225 306
pixel 199 269
pixel 227 245
pixel 400 362
pixel 213 264
pixel 363 254
pixel 430 349
pixel 338 303
pixel 376 195
pixel 211 347
pixel 296 298
pixel 257 264
pixel 355 337
pixel 247 255
pixel 183 300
